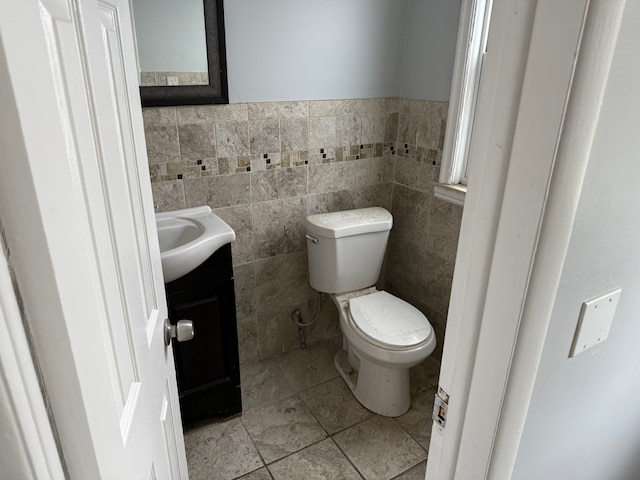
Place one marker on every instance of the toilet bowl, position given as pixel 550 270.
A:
pixel 375 360
pixel 383 336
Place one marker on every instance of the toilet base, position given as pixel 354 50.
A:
pixel 384 391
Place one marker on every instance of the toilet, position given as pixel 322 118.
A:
pixel 383 336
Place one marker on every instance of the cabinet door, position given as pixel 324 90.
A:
pixel 207 366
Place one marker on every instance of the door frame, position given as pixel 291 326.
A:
pixel 29 448
pixel 539 105
pixel 479 352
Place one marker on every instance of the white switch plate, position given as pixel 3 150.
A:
pixel 595 320
pixel 172 81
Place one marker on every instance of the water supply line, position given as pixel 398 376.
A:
pixel 296 317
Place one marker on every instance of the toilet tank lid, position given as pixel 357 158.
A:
pixel 350 222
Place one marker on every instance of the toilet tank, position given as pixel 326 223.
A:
pixel 346 249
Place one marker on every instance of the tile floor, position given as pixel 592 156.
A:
pixel 300 421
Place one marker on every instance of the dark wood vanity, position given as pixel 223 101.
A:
pixel 207 366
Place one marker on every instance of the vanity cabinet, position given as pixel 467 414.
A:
pixel 207 366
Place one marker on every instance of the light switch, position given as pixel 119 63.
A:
pixel 595 320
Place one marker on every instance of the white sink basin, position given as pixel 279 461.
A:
pixel 188 237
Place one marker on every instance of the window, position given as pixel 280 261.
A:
pixel 470 53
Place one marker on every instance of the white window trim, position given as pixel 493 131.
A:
pixel 470 50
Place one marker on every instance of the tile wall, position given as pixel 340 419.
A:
pixel 263 167
pixel 422 246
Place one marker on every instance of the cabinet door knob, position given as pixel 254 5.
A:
pixel 182 331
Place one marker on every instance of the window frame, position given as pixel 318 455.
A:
pixel 470 53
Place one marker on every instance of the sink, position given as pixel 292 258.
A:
pixel 188 237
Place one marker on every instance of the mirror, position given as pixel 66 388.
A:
pixel 181 52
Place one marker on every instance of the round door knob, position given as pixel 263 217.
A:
pixel 182 331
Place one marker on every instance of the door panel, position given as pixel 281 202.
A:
pixel 101 272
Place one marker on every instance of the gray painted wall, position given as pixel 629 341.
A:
pixel 338 49
pixel 432 26
pixel 584 418
pixel 170 35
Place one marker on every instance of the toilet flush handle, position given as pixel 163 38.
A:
pixel 312 239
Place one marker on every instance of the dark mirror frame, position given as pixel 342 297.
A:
pixel 217 91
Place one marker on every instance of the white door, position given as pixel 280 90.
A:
pixel 75 202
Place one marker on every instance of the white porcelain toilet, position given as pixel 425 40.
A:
pixel 383 336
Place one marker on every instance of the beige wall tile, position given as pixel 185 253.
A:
pixel 327 325
pixel 162 143
pixel 414 174
pixel 264 136
pixel 154 116
pixel 218 191
pixel 444 229
pixel 437 275
pixel 240 219
pixel 332 177
pixel 260 111
pixel 197 142
pixel 278 183
pixel 373 129
pixel 332 202
pixel 279 226
pixel 405 262
pixel 281 280
pixel 276 333
pixel 294 134
pixel 348 131
pixel 322 132
pixel 196 114
pixel 168 195
pixel 244 283
pixel 232 139
pixel 237 112
pixel 370 171
pixel 410 210
pixel 378 195
pixel 391 127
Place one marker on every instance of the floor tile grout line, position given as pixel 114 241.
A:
pixel 409 468
pixel 298 393
pixel 348 459
pixel 279 361
pixel 253 444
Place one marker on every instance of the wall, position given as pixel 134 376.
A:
pixel 328 49
pixel 260 165
pixel 424 239
pixel 170 35
pixel 430 47
pixel 584 421
pixel 263 167
pixel 335 49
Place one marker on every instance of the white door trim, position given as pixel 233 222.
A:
pixel 529 68
pixel 28 448
pixel 497 109
pixel 601 28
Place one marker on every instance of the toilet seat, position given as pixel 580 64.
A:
pixel 388 322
